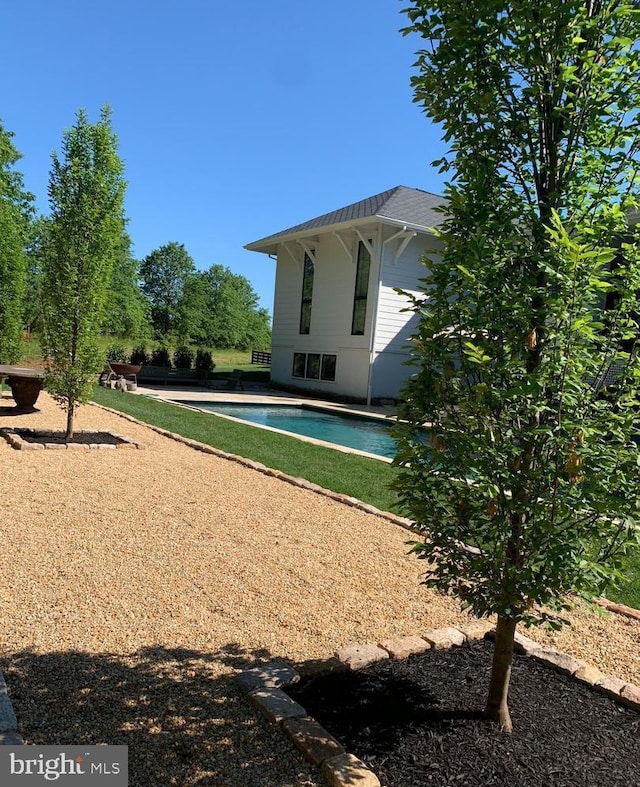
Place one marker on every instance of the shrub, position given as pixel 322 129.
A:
pixel 139 355
pixel 183 358
pixel 116 352
pixel 204 361
pixel 160 357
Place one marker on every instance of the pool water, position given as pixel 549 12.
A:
pixel 351 431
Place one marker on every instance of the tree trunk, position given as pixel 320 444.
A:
pixel 497 709
pixel 70 413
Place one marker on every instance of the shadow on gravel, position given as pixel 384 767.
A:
pixel 185 721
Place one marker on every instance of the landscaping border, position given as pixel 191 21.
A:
pixel 265 687
pixel 404 522
pixel 16 440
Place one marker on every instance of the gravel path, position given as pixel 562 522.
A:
pixel 134 584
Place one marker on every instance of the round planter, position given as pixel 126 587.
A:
pixel 125 368
pixel 25 391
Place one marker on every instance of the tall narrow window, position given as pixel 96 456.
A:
pixel 360 294
pixel 307 295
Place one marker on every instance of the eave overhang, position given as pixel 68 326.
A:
pixel 269 245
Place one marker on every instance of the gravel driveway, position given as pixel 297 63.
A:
pixel 134 584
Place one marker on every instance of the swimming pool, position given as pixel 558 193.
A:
pixel 344 429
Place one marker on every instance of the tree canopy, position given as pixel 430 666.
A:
pixel 529 485
pixel 83 237
pixel 216 307
pixel 15 215
pixel 164 273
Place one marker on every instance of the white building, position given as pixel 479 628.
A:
pixel 338 324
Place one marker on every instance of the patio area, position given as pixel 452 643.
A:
pixel 134 585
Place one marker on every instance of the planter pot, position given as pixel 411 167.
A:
pixel 125 368
pixel 25 391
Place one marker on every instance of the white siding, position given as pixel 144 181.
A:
pixel 331 314
pixel 332 310
pixel 394 326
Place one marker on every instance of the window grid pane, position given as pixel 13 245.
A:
pixel 299 363
pixel 328 367
pixel 360 291
pixel 313 366
pixel 307 295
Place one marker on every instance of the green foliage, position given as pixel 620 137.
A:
pixel 160 356
pixel 204 361
pixel 529 487
pixel 220 309
pixel 84 233
pixel 183 358
pixel 116 352
pixel 139 355
pixel 164 274
pixel 127 310
pixel 15 216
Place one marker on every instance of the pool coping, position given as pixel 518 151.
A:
pixel 304 438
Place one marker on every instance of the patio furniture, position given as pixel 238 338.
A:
pixel 235 381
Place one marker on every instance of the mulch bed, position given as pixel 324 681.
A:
pixel 40 438
pixel 417 722
pixel 83 438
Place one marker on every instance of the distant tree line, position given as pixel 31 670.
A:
pixel 162 297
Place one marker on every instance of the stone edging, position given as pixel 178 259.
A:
pixel 8 722
pixel 302 483
pixel 264 687
pixel 15 440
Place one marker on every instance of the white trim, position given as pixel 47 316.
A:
pixel 366 243
pixel 403 246
pixel 346 248
pixel 292 255
pixel 311 254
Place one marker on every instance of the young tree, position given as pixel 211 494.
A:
pixel 15 216
pixel 529 484
pixel 164 273
pixel 86 192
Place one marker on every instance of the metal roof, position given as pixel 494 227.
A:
pixel 399 205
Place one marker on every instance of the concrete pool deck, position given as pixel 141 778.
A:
pixel 256 394
pixel 261 395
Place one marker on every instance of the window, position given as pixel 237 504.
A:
pixel 307 295
pixel 314 366
pixel 299 364
pixel 328 367
pixel 360 293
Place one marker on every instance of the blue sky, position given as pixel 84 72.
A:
pixel 234 120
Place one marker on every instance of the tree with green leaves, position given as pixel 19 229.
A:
pixel 15 216
pixel 526 363
pixel 164 273
pixel 222 310
pixel 85 228
pixel 127 310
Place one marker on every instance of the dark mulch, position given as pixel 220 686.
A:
pixel 417 722
pixel 82 437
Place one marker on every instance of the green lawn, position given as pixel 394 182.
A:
pixel 356 476
pixel 630 592
pixel 366 479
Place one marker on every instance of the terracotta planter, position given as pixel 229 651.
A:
pixel 25 391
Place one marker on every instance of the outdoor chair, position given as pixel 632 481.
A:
pixel 235 381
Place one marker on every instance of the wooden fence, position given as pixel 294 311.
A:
pixel 263 358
